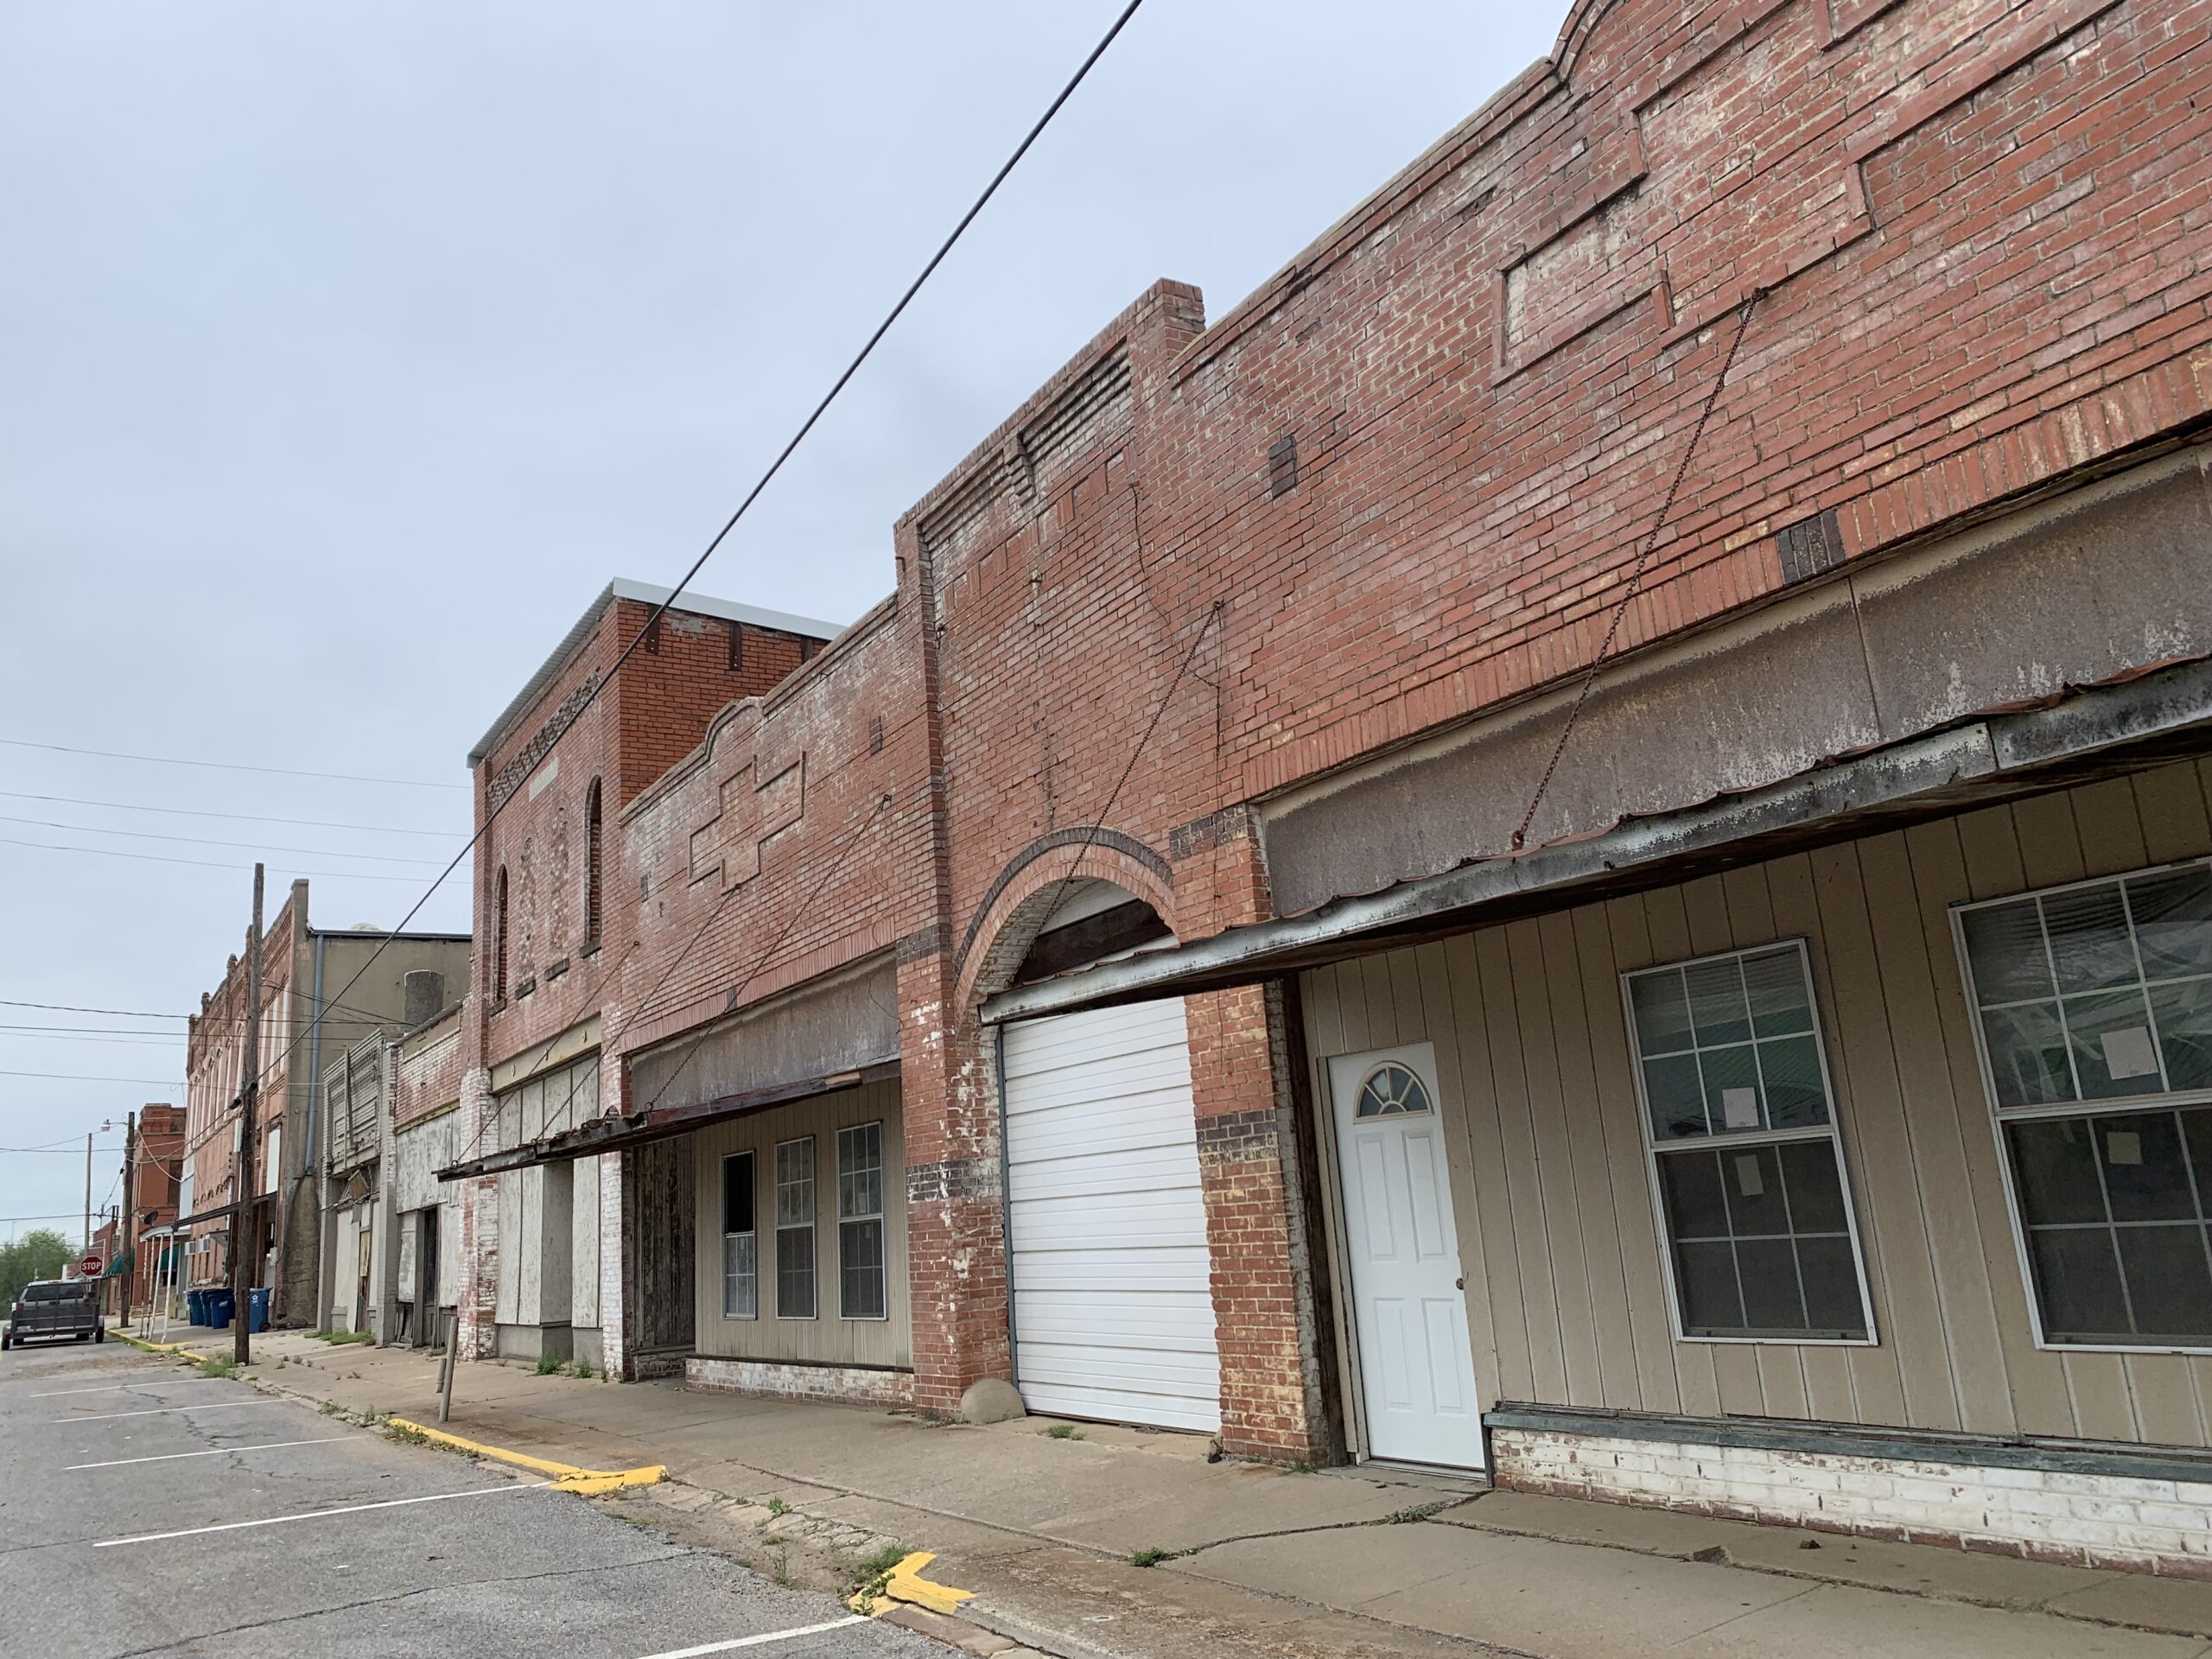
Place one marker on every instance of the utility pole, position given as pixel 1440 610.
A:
pixel 126 1218
pixel 243 1232
pixel 85 1249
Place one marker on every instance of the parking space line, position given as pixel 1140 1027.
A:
pixel 736 1643
pixel 213 1452
pixel 156 1411
pixel 343 1509
pixel 113 1388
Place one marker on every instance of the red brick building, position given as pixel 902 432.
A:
pixel 153 1176
pixel 1571 846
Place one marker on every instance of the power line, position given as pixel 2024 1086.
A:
pixel 227 765
pixel 211 864
pixel 202 840
pixel 78 1008
pixel 147 1040
pixel 74 1077
pixel 100 1031
pixel 648 629
pixel 241 817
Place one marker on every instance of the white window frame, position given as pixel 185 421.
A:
pixel 1831 1132
pixel 730 1158
pixel 2104 1106
pixel 880 1215
pixel 813 1225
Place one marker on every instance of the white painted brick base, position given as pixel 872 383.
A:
pixel 2083 1520
pixel 772 1377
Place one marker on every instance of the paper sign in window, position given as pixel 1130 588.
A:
pixel 2129 1052
pixel 2123 1146
pixel 1739 1109
pixel 1749 1181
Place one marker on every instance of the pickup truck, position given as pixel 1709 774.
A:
pixel 56 1308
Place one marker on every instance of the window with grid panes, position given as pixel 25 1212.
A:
pixel 741 1258
pixel 860 1222
pixel 1739 1121
pixel 795 1228
pixel 2093 1011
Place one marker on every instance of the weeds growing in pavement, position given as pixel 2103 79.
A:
pixel 340 1338
pixel 548 1363
pixel 1064 1432
pixel 582 1368
pixel 217 1367
pixel 1154 1557
pixel 408 1432
pixel 782 1571
pixel 776 1506
pixel 1401 1517
pixel 870 1575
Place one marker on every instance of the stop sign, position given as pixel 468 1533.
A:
pixel 90 1267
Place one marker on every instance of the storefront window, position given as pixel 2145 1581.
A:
pixel 2092 1012
pixel 795 1228
pixel 1740 1123
pixel 860 1222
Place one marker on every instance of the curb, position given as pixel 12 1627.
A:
pixel 585 1483
pixel 175 1350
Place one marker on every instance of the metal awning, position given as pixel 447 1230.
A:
pixel 2077 734
pixel 613 1133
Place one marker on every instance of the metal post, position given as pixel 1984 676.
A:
pixel 242 1221
pixel 453 1359
pixel 87 1248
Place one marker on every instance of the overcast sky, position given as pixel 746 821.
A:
pixel 349 350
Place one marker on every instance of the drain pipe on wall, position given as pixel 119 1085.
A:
pixel 312 1172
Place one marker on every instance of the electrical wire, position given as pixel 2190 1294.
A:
pixel 227 765
pixel 203 841
pixel 210 864
pixel 241 818
pixel 74 1077
pixel 648 629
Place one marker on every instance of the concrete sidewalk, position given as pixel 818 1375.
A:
pixel 1256 1560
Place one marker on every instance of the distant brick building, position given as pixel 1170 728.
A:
pixel 1211 949
pixel 153 1176
pixel 304 969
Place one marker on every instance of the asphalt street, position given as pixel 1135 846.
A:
pixel 146 1510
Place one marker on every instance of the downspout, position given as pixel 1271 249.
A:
pixel 312 1172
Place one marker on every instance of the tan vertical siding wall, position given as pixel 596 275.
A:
pixel 825 1340
pixel 1566 1303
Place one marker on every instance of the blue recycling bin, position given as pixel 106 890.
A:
pixel 257 1309
pixel 196 1306
pixel 222 1306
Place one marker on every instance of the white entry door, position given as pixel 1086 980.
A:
pixel 1417 1372
pixel 1113 1293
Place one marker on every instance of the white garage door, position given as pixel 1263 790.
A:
pixel 1113 1307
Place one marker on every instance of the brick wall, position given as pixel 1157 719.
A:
pixel 2117 1521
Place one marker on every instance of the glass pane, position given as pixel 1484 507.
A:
pixel 1833 1305
pixel 2146 1176
pixel 2078 1276
pixel 2027 1055
pixel 2089 946
pixel 795 1273
pixel 737 1194
pixel 2057 1171
pixel 2173 921
pixel 1776 981
pixel 2004 949
pixel 1732 1089
pixel 1691 1184
pixel 1677 1097
pixel 1663 1013
pixel 1796 1098
pixel 1753 1179
pixel 740 1285
pixel 2169 1282
pixel 1708 1282
pixel 1718 1013
pixel 860 1171
pixel 2197 1127
pixel 2113 1055
pixel 795 1184
pixel 1815 1188
pixel 859 1280
pixel 1768 1268
pixel 2183 1011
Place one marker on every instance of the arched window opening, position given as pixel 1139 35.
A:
pixel 592 850
pixel 499 937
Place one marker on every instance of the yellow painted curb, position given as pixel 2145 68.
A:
pixel 585 1483
pixel 907 1584
pixel 176 1349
